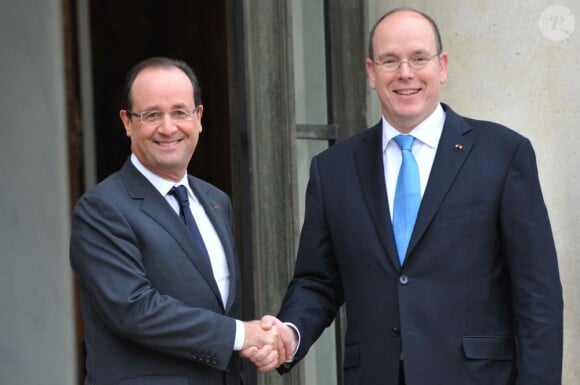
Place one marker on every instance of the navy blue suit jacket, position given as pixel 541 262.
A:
pixel 151 308
pixel 478 299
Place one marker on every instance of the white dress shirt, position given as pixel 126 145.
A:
pixel 427 135
pixel 210 238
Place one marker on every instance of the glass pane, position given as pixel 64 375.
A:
pixel 309 61
pixel 320 363
pixel 311 108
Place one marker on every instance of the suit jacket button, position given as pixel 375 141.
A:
pixel 403 279
pixel 396 332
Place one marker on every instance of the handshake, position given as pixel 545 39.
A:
pixel 268 343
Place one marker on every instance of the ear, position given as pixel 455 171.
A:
pixel 198 119
pixel 370 66
pixel 126 122
pixel 443 61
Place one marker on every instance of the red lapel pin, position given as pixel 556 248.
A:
pixel 459 146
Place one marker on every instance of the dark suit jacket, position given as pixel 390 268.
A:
pixel 151 307
pixel 478 299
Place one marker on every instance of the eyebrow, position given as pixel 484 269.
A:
pixel 181 105
pixel 172 107
pixel 414 53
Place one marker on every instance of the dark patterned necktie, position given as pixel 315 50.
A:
pixel 180 193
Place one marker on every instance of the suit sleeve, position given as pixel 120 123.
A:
pixel 315 292
pixel 530 253
pixel 105 254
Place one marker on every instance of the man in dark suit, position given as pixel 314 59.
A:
pixel 160 291
pixel 473 295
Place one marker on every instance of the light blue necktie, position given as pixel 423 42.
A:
pixel 407 196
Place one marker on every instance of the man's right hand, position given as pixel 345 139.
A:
pixel 266 358
pixel 263 346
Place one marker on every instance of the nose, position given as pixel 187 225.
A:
pixel 405 70
pixel 167 126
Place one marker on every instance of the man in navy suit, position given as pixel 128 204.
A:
pixel 160 306
pixel 476 297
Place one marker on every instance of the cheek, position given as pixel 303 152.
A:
pixel 192 132
pixel 141 134
pixel 381 82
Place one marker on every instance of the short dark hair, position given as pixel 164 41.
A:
pixel 158 62
pixel 409 9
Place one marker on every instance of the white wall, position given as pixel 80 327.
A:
pixel 36 316
pixel 518 63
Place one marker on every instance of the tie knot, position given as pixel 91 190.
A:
pixel 180 192
pixel 405 142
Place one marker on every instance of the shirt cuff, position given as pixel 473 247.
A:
pixel 240 336
pixel 290 324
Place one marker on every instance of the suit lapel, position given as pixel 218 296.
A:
pixel 155 206
pixel 212 209
pixel 370 169
pixel 452 151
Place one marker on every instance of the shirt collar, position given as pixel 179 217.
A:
pixel 428 131
pixel 162 185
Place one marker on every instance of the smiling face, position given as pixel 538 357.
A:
pixel 165 148
pixel 407 96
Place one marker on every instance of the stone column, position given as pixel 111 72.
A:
pixel 263 149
